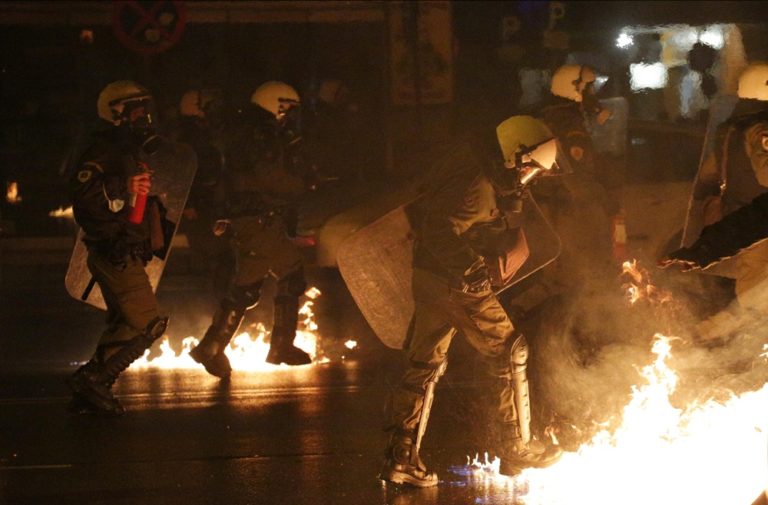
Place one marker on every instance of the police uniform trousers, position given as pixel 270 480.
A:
pixel 441 311
pixel 131 303
pixel 263 248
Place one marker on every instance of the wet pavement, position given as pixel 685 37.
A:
pixel 288 436
pixel 310 435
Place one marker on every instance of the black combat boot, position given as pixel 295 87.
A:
pixel 402 464
pixel 281 348
pixel 517 455
pixel 210 351
pixel 106 403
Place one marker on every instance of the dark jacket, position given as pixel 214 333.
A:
pixel 736 231
pixel 458 216
pixel 99 193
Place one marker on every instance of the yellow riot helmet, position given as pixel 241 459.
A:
pixel 276 98
pixel 525 139
pixel 753 82
pixel 570 81
pixel 118 97
pixel 529 149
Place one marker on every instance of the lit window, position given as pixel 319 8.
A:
pixel 644 76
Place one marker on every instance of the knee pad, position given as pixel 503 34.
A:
pixel 155 328
pixel 518 354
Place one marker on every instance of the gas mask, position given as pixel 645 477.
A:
pixel 590 105
pixel 138 116
pixel 512 179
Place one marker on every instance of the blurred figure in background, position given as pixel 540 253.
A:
pixel 201 120
pixel 580 203
pixel 334 131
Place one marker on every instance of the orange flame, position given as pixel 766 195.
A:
pixel 62 213
pixel 12 195
pixel 711 454
pixel 248 350
pixel 639 286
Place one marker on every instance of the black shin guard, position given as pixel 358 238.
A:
pixel 92 382
pixel 133 349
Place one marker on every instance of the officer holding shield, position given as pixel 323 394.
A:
pixel 123 228
pixel 470 205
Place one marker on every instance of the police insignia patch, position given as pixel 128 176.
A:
pixel 84 175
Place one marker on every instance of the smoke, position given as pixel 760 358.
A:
pixel 590 347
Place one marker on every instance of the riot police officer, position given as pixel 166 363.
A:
pixel 471 204
pixel 120 241
pixel 264 180
pixel 735 173
pixel 200 126
pixel 581 202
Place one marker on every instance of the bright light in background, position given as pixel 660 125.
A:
pixel 644 76
pixel 600 81
pixel 350 344
pixel 12 193
pixel 683 36
pixel 713 37
pixel 624 40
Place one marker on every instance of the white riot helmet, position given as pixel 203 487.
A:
pixel 570 81
pixel 275 97
pixel 753 82
pixel 196 102
pixel 119 100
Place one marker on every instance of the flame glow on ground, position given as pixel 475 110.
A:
pixel 62 213
pixel 708 453
pixel 247 351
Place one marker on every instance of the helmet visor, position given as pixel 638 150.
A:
pixel 543 154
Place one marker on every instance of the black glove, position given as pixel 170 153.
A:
pixel 477 280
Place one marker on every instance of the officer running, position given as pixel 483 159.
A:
pixel 120 242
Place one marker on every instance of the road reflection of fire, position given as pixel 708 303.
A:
pixel 705 453
pixel 247 351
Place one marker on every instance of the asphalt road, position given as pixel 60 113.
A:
pixel 308 435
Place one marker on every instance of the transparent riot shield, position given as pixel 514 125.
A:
pixel 611 137
pixel 376 263
pixel 174 165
